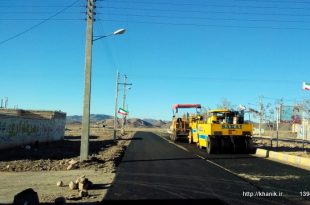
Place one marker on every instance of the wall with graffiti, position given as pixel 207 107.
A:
pixel 22 128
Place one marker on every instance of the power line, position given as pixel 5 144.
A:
pixel 40 23
pixel 36 12
pixel 40 19
pixel 32 1
pixel 206 12
pixel 259 1
pixel 208 25
pixel 211 18
pixel 275 1
pixel 35 6
pixel 209 5
pixel 178 77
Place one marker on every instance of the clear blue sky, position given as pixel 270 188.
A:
pixel 176 51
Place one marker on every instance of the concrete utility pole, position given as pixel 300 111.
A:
pixel 303 124
pixel 260 115
pixel 278 109
pixel 87 86
pixel 124 93
pixel 115 113
pixel 124 99
pixel 6 102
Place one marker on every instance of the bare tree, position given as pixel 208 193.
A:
pixel 225 104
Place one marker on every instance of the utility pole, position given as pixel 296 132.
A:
pixel 87 86
pixel 115 113
pixel 126 115
pixel 303 124
pixel 278 113
pixel 6 102
pixel 260 115
pixel 124 99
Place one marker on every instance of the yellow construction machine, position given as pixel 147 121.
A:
pixel 222 131
pixel 180 126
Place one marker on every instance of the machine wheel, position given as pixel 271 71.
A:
pixel 226 145
pixel 250 149
pixel 239 145
pixel 190 137
pixel 198 143
pixel 173 136
pixel 211 146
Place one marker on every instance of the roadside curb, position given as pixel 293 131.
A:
pixel 302 162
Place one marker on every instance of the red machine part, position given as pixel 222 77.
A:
pixel 176 106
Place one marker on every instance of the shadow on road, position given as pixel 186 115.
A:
pixel 143 202
pixel 78 137
pixel 164 159
pixel 166 201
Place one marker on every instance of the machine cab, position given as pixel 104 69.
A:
pixel 225 116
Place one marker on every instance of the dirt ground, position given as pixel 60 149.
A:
pixel 54 156
pixel 44 183
pixel 42 165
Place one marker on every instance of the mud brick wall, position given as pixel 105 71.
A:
pixel 21 127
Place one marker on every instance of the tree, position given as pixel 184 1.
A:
pixel 225 104
pixel 305 107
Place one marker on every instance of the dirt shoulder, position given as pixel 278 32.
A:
pixel 287 147
pixel 40 166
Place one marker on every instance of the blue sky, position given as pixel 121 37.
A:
pixel 177 51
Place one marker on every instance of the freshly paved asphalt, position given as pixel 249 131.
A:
pixel 153 168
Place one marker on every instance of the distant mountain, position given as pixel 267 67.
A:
pixel 108 121
pixel 152 121
pixel 156 123
pixel 159 123
pixel 93 118
pixel 135 122
pixel 132 122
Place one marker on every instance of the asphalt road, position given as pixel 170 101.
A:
pixel 153 168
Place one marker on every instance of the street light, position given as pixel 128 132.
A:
pixel 117 32
pixel 87 89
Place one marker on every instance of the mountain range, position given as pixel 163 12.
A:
pixel 93 118
pixel 108 121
